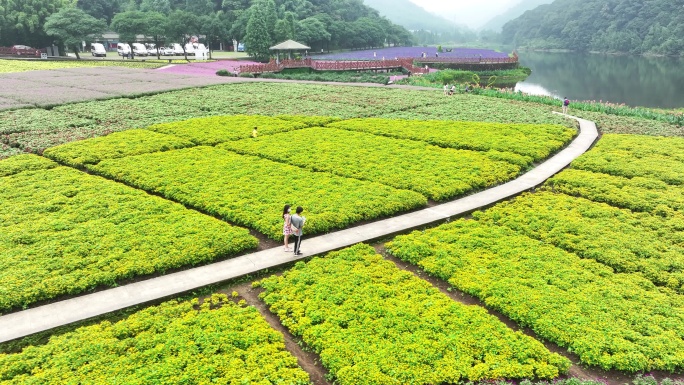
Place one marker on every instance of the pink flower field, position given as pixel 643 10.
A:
pixel 207 68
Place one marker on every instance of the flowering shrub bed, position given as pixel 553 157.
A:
pixel 7 151
pixel 475 108
pixel 252 191
pixel 632 156
pixel 637 194
pixel 173 343
pixel 219 129
pixel 25 162
pixel 38 119
pixel 438 173
pixel 372 323
pixel 64 232
pixel 536 141
pixel 116 145
pixel 34 130
pixel 615 321
pixel 629 171
pixel 625 241
pixel 33 65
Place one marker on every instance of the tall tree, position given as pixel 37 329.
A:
pixel 213 28
pixel 260 29
pixel 160 6
pixel 180 26
pixel 156 28
pixel 24 21
pixel 101 9
pixel 313 32
pixel 130 24
pixel 286 28
pixel 71 26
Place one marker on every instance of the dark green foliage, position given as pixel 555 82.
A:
pixel 21 22
pixel 71 26
pixel 633 26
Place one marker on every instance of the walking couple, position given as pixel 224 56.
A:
pixel 293 225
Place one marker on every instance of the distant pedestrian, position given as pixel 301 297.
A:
pixel 436 54
pixel 375 54
pixel 566 103
pixel 446 89
pixel 255 133
pixel 287 226
pixel 298 222
pixel 453 89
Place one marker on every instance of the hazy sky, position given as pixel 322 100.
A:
pixel 473 13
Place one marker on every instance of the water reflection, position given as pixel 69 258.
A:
pixel 633 80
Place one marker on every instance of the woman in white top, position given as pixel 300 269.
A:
pixel 287 226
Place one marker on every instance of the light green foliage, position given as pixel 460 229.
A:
pixel 116 145
pixel 615 321
pixel 64 232
pixel 372 323
pixel 438 173
pixel 173 343
pixel 252 191
pixel 22 66
pixel 637 194
pixel 34 131
pixel 219 129
pixel 625 241
pixel 629 171
pixel 631 156
pixel 534 140
pixel 25 162
pixel 309 121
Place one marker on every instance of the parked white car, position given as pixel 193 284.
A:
pixel 97 49
pixel 123 49
pixel 190 49
pixel 166 51
pixel 176 48
pixel 139 49
pixel 151 49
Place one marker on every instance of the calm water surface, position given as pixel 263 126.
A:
pixel 633 80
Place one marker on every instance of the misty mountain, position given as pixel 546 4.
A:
pixel 496 23
pixel 410 15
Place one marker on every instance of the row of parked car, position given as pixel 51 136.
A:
pixel 140 49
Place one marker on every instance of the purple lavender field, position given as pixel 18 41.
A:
pixel 413 52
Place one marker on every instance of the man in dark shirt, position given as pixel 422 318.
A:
pixel 298 223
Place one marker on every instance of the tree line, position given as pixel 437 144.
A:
pixel 321 24
pixel 629 26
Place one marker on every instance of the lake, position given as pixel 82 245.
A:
pixel 633 80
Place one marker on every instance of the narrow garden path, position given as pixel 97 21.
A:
pixel 42 318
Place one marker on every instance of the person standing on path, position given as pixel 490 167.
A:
pixel 446 90
pixel 287 226
pixel 566 103
pixel 298 221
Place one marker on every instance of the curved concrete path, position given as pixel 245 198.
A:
pixel 27 322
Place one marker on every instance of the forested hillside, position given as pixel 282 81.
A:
pixel 318 23
pixel 498 21
pixel 634 26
